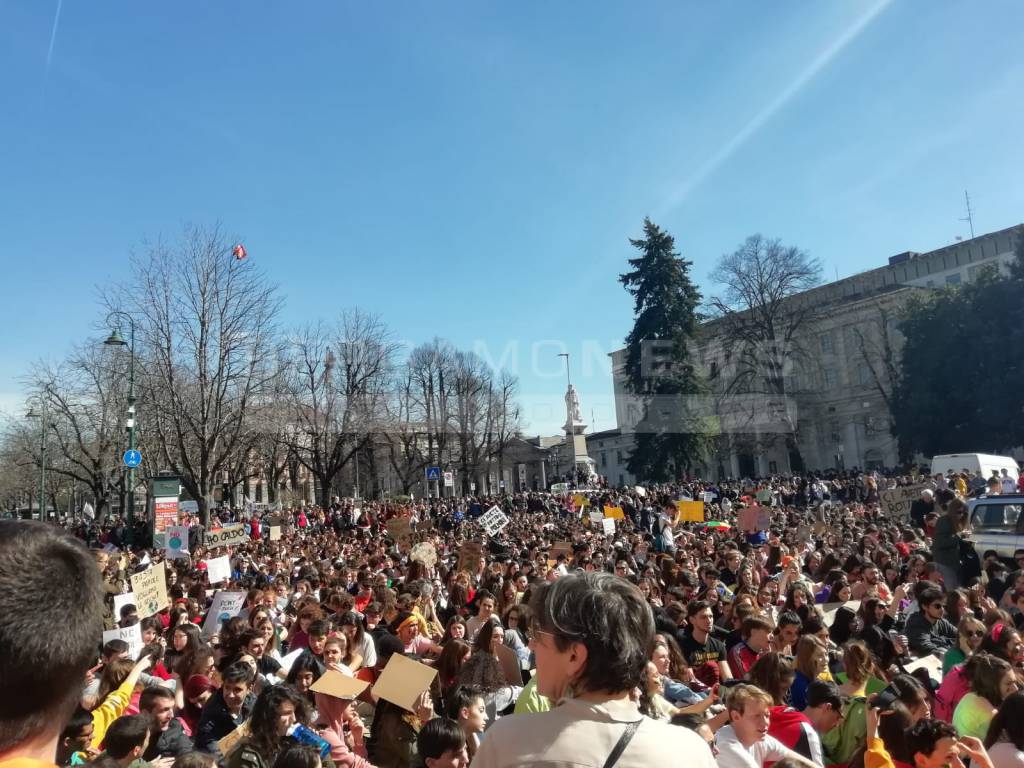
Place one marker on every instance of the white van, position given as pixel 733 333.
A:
pixel 986 463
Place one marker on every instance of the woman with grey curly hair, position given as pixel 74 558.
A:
pixel 591 634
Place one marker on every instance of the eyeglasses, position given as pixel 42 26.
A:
pixel 975 633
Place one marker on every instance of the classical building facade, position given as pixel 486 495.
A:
pixel 835 412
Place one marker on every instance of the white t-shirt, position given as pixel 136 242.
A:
pixel 1005 755
pixel 732 754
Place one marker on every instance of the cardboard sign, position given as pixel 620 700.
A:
pixel 493 520
pixel 334 683
pixel 929 662
pixel 403 680
pixel 128 598
pixel 560 548
pixel 150 588
pixel 689 511
pixel 131 635
pixel 218 569
pixel 896 502
pixel 400 528
pixel 226 605
pixel 229 535
pixel 640 491
pixel 425 552
pixel 609 526
pixel 471 554
pixel 233 739
pixel 580 501
pixel 615 513
pixel 176 541
pixel 275 533
pixel 828 610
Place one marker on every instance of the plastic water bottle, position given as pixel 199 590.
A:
pixel 300 733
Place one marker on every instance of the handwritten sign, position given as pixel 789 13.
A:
pixel 229 535
pixel 896 502
pixel 131 635
pixel 689 511
pixel 400 528
pixel 275 533
pixel 493 520
pixel 580 501
pixel 226 605
pixel 176 541
pixel 609 526
pixel 471 554
pixel 150 588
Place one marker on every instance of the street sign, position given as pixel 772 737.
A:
pixel 132 458
pixel 449 479
pixel 433 473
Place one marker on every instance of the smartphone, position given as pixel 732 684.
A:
pixel 885 699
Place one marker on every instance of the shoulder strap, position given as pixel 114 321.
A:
pixel 622 743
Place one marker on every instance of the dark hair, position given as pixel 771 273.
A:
pixel 788 617
pixel 843 625
pixel 79 719
pixel 485 635
pixel 925 734
pixel 151 693
pixel 306 662
pixel 114 648
pixel 125 734
pixel 606 614
pixel 238 672
pixel 1009 720
pixel 263 720
pixel 295 755
pixel 438 736
pixel 461 696
pixel 194 760
pixel 319 628
pixel 46 667
pixel 773 673
pixel 928 596
pixel 987 671
pixel 824 692
pixel 696 607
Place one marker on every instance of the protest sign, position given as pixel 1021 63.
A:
pixel 828 611
pixel 609 526
pixel 764 518
pixel 931 663
pixel 557 488
pixel 233 739
pixel 400 528
pixel 275 533
pixel 424 552
pixel 403 680
pixel 640 491
pixel 560 548
pixel 615 513
pixel 689 511
pixel 596 516
pixel 896 502
pixel 226 605
pixel 580 501
pixel 131 635
pixel 218 569
pixel 708 497
pixel 128 598
pixel 150 588
pixel 471 554
pixel 493 520
pixel 229 535
pixel 334 683
pixel 176 538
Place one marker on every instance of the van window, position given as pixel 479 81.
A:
pixel 996 516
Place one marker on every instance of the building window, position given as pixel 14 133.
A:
pixel 829 379
pixel 826 343
pixel 953 279
pixel 618 456
pixel 773 467
pixel 604 459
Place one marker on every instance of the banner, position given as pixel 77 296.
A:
pixel 896 502
pixel 689 511
pixel 226 605
pixel 493 520
pixel 150 588
pixel 177 541
pixel 226 536
pixel 615 513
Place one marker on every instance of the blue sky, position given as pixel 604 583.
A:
pixel 473 170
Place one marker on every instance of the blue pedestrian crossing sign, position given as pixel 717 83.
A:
pixel 132 458
pixel 433 473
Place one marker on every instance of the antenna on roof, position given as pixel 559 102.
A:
pixel 969 218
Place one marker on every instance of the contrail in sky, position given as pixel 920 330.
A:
pixel 728 149
pixel 53 36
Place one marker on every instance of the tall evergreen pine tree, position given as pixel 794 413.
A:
pixel 671 435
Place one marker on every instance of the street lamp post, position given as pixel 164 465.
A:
pixel 43 417
pixel 117 340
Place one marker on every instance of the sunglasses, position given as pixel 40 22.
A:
pixel 975 633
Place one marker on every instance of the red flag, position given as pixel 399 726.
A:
pixel 239 252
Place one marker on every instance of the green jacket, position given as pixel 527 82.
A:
pixel 845 739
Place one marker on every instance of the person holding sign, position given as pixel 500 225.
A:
pixel 591 635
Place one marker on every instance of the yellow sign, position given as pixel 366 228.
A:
pixel 580 501
pixel 689 511
pixel 616 513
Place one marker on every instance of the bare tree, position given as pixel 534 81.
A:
pixel 406 435
pixel 337 384
pixel 760 319
pixel 207 327
pixel 432 374
pixel 877 350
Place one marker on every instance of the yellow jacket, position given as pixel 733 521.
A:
pixel 110 709
pixel 876 755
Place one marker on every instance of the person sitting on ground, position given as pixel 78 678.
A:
pixel 466 707
pixel 441 743
pixel 927 629
pixel 745 742
pixel 226 709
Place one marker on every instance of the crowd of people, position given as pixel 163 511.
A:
pixel 797 624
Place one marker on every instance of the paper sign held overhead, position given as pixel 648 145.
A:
pixel 150 588
pixel 176 541
pixel 689 511
pixel 334 683
pixel 131 635
pixel 615 513
pixel 609 525
pixel 218 569
pixel 403 680
pixel 399 528
pixel 471 554
pixel 226 605
pixel 229 535
pixel 275 533
pixel 493 520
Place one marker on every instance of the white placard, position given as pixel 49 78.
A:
pixel 176 538
pixel 709 497
pixel 218 569
pixel 608 524
pixel 131 635
pixel 226 605
pixel 493 520
pixel 275 533
pixel 128 598
pixel 596 515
